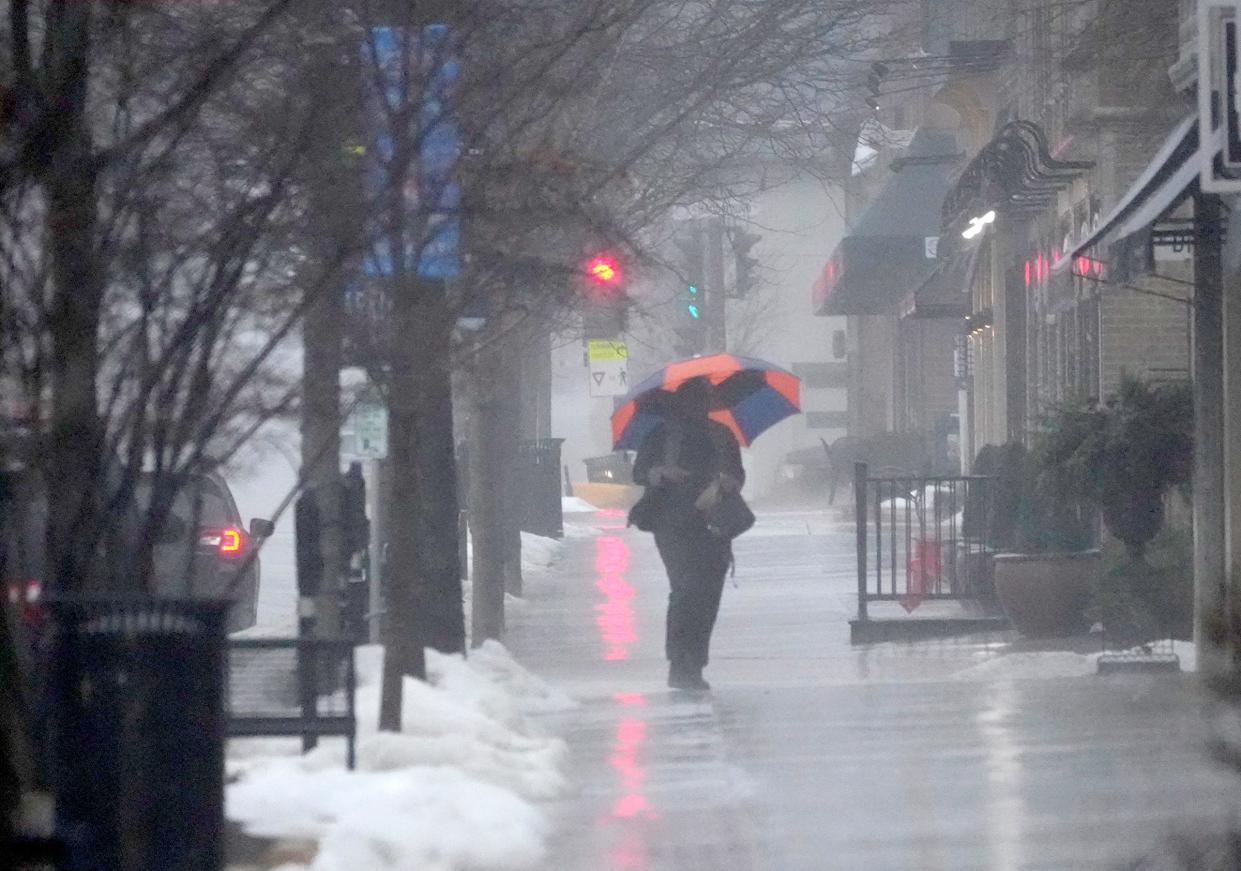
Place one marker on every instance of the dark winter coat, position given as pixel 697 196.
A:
pixel 706 450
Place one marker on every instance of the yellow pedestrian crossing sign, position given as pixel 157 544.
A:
pixel 608 360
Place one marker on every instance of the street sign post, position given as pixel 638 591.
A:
pixel 608 361
pixel 369 424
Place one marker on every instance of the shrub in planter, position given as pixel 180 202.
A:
pixel 1044 569
pixel 1124 458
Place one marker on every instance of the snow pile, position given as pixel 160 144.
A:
pixel 539 553
pixel 1183 650
pixel 1047 664
pixel 575 505
pixel 463 785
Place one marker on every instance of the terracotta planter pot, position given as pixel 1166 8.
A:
pixel 1044 594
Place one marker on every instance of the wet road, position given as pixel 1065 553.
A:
pixel 811 754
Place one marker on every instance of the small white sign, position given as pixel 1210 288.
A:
pixel 369 424
pixel 932 247
pixel 608 361
pixel 1218 73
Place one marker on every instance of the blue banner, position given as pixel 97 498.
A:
pixel 402 65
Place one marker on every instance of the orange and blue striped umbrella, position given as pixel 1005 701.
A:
pixel 748 396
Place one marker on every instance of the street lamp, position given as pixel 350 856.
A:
pixel 978 224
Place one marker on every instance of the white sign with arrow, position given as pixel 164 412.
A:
pixel 609 367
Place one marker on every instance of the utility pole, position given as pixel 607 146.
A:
pixel 486 504
pixel 508 425
pixel 335 210
pixel 1210 576
pixel 717 298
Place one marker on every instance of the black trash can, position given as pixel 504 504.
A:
pixel 537 487
pixel 137 727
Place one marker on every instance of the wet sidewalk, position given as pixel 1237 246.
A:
pixel 812 754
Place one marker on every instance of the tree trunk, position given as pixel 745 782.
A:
pixel 487 620
pixel 424 575
pixel 438 601
pixel 403 648
pixel 75 468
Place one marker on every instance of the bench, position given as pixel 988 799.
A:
pixel 292 687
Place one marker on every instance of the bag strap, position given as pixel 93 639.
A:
pixel 719 436
pixel 672 444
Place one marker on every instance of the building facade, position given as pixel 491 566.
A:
pixel 1055 109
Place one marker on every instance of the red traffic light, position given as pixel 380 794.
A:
pixel 603 270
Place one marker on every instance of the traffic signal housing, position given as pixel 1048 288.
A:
pixel 874 82
pixel 603 310
pixel 690 323
pixel 745 265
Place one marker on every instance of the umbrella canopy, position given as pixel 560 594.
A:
pixel 748 396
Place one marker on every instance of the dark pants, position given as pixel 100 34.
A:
pixel 696 562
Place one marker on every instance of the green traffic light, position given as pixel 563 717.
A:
pixel 693 290
pixel 693 310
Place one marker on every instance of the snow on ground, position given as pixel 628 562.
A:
pixel 465 784
pixel 580 530
pixel 538 554
pixel 1024 666
pixel 1041 665
pixel 575 505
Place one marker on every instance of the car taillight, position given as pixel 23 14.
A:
pixel 25 594
pixel 229 542
pixel 25 599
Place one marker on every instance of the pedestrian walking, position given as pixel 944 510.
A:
pixel 688 464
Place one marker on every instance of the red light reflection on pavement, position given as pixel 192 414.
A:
pixel 614 615
pixel 630 734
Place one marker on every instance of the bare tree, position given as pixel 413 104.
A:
pixel 152 229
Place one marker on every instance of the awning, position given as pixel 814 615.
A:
pixel 892 247
pixel 1013 174
pixel 1164 183
pixel 946 292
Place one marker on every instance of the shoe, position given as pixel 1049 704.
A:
pixel 687 679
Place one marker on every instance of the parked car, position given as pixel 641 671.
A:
pixel 204 549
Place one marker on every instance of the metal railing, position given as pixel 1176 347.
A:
pixel 295 687
pixel 922 538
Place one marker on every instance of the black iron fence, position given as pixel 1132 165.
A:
pixel 922 538
pixel 295 687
